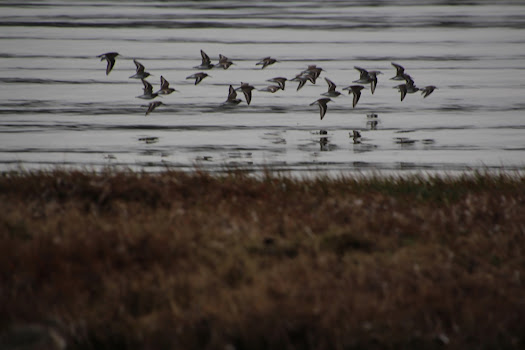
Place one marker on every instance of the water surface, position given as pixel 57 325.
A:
pixel 58 107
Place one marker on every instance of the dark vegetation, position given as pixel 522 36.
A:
pixel 124 260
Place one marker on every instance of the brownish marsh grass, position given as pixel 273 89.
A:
pixel 123 260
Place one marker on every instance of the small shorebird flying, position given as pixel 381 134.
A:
pixel 367 77
pixel 224 62
pixel 148 91
pixel 356 90
pixel 331 89
pixel 271 88
pixel 400 72
pixel 301 79
pixel 141 73
pixel 206 62
pixel 152 106
pixel 280 81
pixel 165 87
pixel 314 71
pixel 427 90
pixel 198 77
pixel 311 76
pixel 411 86
pixel 265 62
pixel 110 57
pixel 322 105
pixel 232 97
pixel 247 91
pixel 364 77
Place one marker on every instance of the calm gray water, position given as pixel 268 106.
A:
pixel 59 108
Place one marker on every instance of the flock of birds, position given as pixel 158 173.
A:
pixel 310 74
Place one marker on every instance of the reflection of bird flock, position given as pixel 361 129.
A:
pixel 310 74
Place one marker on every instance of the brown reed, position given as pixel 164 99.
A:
pixel 125 260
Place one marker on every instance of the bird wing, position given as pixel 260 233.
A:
pixel 198 78
pixel 373 84
pixel 331 85
pixel 148 88
pixel 399 68
pixel 357 95
pixel 302 81
pixel 232 94
pixel 140 67
pixel 403 90
pixel 164 84
pixel 408 79
pixel 247 94
pixel 111 63
pixel 363 72
pixel 322 109
pixel 205 58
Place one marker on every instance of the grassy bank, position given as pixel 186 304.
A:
pixel 122 260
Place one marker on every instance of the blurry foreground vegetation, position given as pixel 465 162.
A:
pixel 124 260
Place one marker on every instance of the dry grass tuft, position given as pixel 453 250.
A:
pixel 121 260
